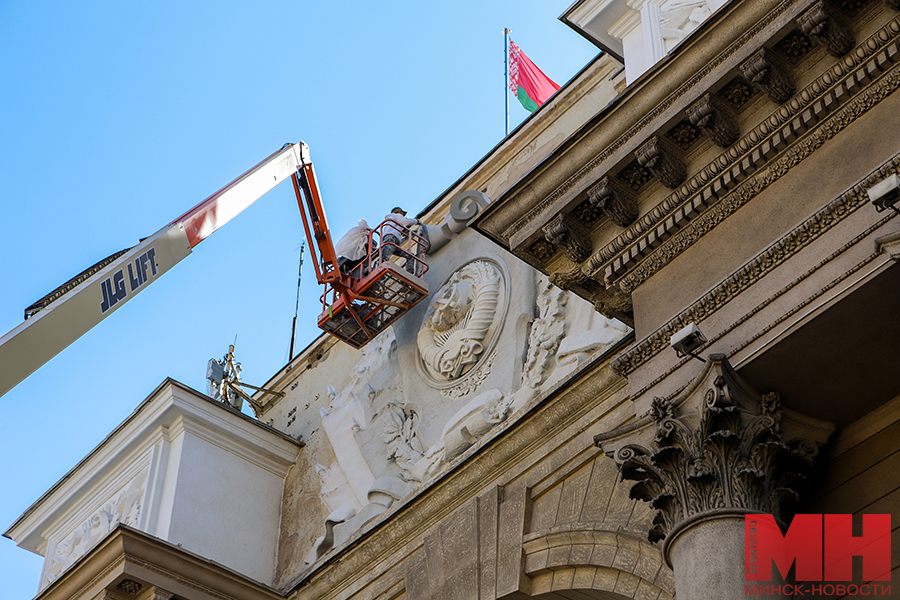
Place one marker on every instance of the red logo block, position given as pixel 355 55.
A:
pixel 821 547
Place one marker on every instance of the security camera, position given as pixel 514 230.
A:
pixel 687 340
pixel 885 193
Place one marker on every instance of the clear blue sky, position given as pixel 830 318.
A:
pixel 116 117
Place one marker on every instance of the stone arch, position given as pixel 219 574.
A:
pixel 587 594
pixel 595 560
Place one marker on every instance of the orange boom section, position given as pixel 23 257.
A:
pixel 365 300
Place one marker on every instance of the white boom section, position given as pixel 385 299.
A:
pixel 27 347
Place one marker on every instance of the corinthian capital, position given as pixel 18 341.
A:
pixel 717 446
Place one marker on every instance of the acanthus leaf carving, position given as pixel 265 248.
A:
pixel 400 435
pixel 659 158
pixel 764 70
pixel 130 587
pixel 565 232
pixel 822 25
pixel 125 506
pixel 565 280
pixel 614 202
pixel 715 119
pixel 719 445
pixel 546 332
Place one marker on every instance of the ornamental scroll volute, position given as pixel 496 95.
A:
pixel 717 446
pixel 462 323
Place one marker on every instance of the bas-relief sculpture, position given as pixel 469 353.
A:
pixel 462 322
pixel 565 333
pixel 373 438
pixel 381 454
pixel 124 506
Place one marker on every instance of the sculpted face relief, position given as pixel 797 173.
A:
pixel 461 322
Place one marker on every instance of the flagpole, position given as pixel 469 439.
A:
pixel 506 75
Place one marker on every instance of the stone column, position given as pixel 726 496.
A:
pixel 704 459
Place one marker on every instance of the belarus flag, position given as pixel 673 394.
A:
pixel 526 81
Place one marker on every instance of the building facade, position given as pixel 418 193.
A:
pixel 667 301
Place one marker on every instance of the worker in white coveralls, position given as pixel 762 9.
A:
pixel 353 247
pixel 392 238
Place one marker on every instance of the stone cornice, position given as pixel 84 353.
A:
pixel 631 134
pixel 151 563
pixel 776 254
pixel 719 189
pixel 122 449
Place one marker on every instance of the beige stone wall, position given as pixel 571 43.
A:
pixel 863 474
pixel 776 209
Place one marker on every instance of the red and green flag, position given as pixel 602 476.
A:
pixel 526 81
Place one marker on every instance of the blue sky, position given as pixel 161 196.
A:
pixel 116 117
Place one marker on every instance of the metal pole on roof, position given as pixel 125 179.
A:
pixel 506 75
pixel 297 308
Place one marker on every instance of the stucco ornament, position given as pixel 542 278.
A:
pixel 462 322
pixel 401 437
pixel 123 507
pixel 546 332
pixel 464 429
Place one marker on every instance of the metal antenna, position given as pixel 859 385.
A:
pixel 297 307
pixel 506 33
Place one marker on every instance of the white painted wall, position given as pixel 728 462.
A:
pixel 183 468
pixel 644 31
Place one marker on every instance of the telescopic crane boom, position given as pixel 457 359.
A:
pixel 74 308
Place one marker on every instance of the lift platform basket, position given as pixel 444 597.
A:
pixel 383 296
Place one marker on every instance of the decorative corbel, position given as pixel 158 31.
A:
pixel 659 158
pixel 889 245
pixel 615 202
pixel 713 118
pixel 614 304
pixel 464 207
pixel 823 26
pixel 564 280
pixel 130 587
pixel 565 232
pixel 764 70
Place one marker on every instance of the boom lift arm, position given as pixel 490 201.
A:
pixel 73 309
